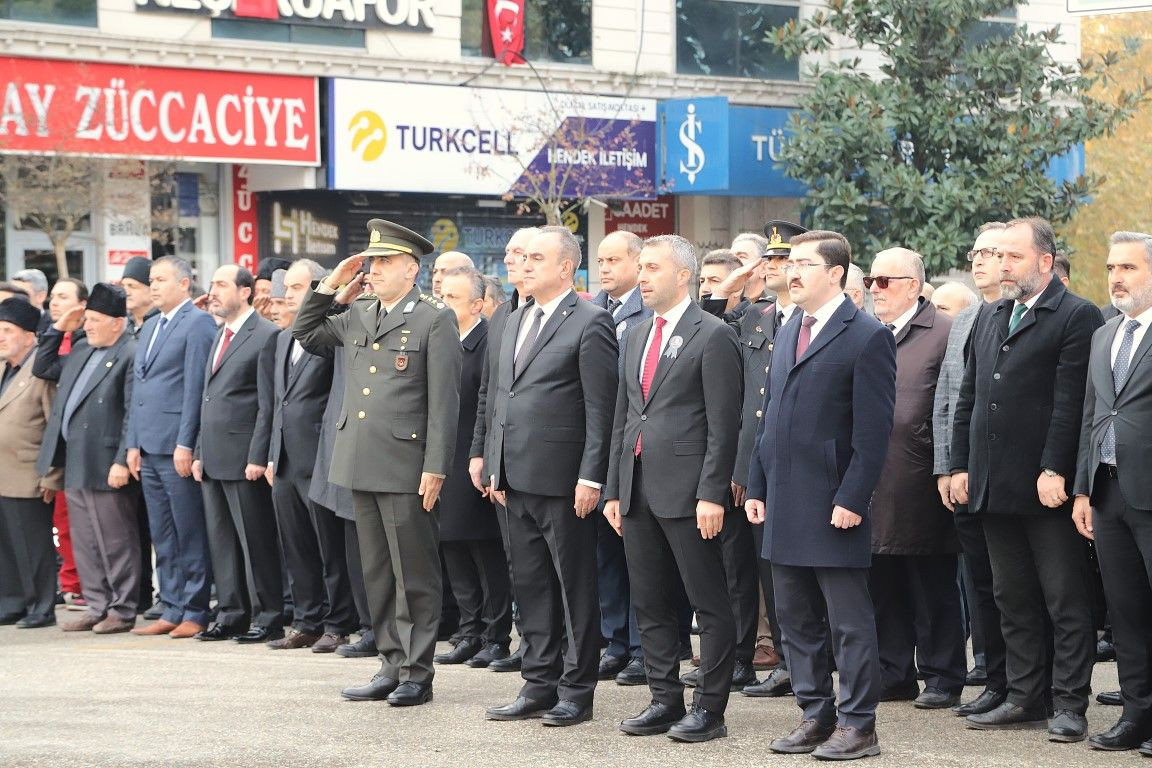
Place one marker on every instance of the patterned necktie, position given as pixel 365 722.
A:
pixel 1119 375
pixel 1017 315
pixel 613 305
pixel 805 336
pixel 779 319
pixel 223 348
pixel 891 327
pixel 529 340
pixel 651 362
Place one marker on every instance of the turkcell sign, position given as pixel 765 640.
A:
pixel 432 138
pixel 708 147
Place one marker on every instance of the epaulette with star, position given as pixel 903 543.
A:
pixel 435 302
pixel 366 297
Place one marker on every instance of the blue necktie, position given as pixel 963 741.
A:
pixel 1119 374
pixel 155 343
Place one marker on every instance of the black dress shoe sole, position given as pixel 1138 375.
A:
pixel 212 638
pixel 535 714
pixel 357 654
pixel 564 722
pixel 366 697
pixel 1103 747
pixel 948 703
pixel 741 685
pixel 1145 750
pixel 792 749
pixel 631 680
pixel 410 701
pixel 695 737
pixel 500 666
pixel 476 663
pixel 773 693
pixel 1024 725
pixel 1108 701
pixel 871 751
pixel 649 730
pixel 1067 738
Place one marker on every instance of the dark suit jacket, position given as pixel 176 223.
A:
pixel 49 360
pixel 464 513
pixel 167 391
pixel 631 313
pixel 823 438
pixel 908 517
pixel 689 421
pixel 299 396
pixel 1021 403
pixel 235 420
pixel 98 429
pixel 1130 411
pixel 485 398
pixel 553 422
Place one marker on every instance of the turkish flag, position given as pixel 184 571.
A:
pixel 256 9
pixel 506 24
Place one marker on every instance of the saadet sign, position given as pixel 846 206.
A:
pixel 416 15
pixel 66 107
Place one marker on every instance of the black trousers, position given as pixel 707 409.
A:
pixel 764 571
pixel 243 543
pixel 356 575
pixel 145 599
pixel 478 575
pixel 802 594
pixel 312 541
pixel 1039 566
pixel 740 556
pixel 918 620
pixel 617 618
pixel 27 558
pixel 661 549
pixel 982 610
pixel 1124 546
pixel 553 556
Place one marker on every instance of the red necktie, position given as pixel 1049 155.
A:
pixel 65 344
pixel 805 336
pixel 223 348
pixel 651 360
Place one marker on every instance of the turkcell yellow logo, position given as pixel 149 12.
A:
pixel 444 235
pixel 369 134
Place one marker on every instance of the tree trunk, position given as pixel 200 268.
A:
pixel 59 245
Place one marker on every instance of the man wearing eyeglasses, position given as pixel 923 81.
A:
pixel 1018 418
pixel 816 459
pixel 914 546
pixel 976 569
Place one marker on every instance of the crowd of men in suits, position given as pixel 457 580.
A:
pixel 732 445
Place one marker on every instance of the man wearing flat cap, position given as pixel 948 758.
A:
pixel 137 298
pixel 86 435
pixel 395 440
pixel 27 555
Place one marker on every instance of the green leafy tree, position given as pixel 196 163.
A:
pixel 956 129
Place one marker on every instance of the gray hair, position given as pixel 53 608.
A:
pixel 1134 237
pixel 569 245
pixel 34 277
pixel 759 241
pixel 493 285
pixel 721 256
pixel 912 260
pixel 180 267
pixel 475 280
pixel 855 279
pixel 956 285
pixel 683 252
pixel 315 270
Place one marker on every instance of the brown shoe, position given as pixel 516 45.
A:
pixel 329 643
pixel 848 744
pixel 293 638
pixel 185 630
pixel 161 627
pixel 113 625
pixel 766 657
pixel 83 624
pixel 803 739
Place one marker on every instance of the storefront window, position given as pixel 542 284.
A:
pixel 553 31
pixel 298 34
pixel 730 39
pixel 78 12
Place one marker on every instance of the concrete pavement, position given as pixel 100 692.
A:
pixel 77 700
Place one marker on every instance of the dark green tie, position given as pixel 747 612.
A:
pixel 1017 315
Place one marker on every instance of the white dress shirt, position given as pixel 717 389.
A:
pixel 530 317
pixel 233 326
pixel 1144 319
pixel 167 318
pixel 899 323
pixel 824 314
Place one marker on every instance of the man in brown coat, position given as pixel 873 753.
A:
pixel 914 543
pixel 27 554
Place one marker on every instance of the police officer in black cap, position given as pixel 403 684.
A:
pixel 395 440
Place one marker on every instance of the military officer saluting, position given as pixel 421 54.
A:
pixel 395 439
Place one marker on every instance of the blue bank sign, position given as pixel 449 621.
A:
pixel 708 147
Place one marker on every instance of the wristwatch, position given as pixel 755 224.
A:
pixel 1050 472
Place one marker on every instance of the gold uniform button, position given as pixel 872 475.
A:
pixel 759 414
pixel 361 415
pixel 376 347
pixel 366 391
pixel 413 435
pixel 371 369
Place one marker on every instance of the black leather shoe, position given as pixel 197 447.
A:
pixel 1067 726
pixel 376 689
pixel 610 666
pixel 257 634
pixel 907 691
pixel 985 702
pixel 698 725
pixel 691 678
pixel 567 713
pixel 803 739
pixel 848 744
pixel 410 694
pixel 218 632
pixel 742 674
pixel 490 653
pixel 977 676
pixel 361 649
pixel 36 622
pixel 508 663
pixel 633 674
pixel 935 698
pixel 778 683
pixel 1124 735
pixel 1146 748
pixel 1110 698
pixel 1008 717
pixel 657 718
pixel 155 612
pixel 10 618
pixel 1105 651
pixel 464 650
pixel 521 709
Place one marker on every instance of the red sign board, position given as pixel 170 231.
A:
pixel 646 218
pixel 69 107
pixel 245 241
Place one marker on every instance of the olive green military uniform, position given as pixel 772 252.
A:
pixel 399 417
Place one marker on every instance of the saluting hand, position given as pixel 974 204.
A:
pixel 709 518
pixel 430 486
pixel 345 271
pixel 71 320
pixel 350 292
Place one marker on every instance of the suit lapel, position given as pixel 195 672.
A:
pixel 157 348
pixel 833 328
pixel 102 371
pixel 19 382
pixel 1137 354
pixel 563 310
pixel 238 340
pixel 688 326
pixel 396 317
pixel 476 335
pixel 1049 299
